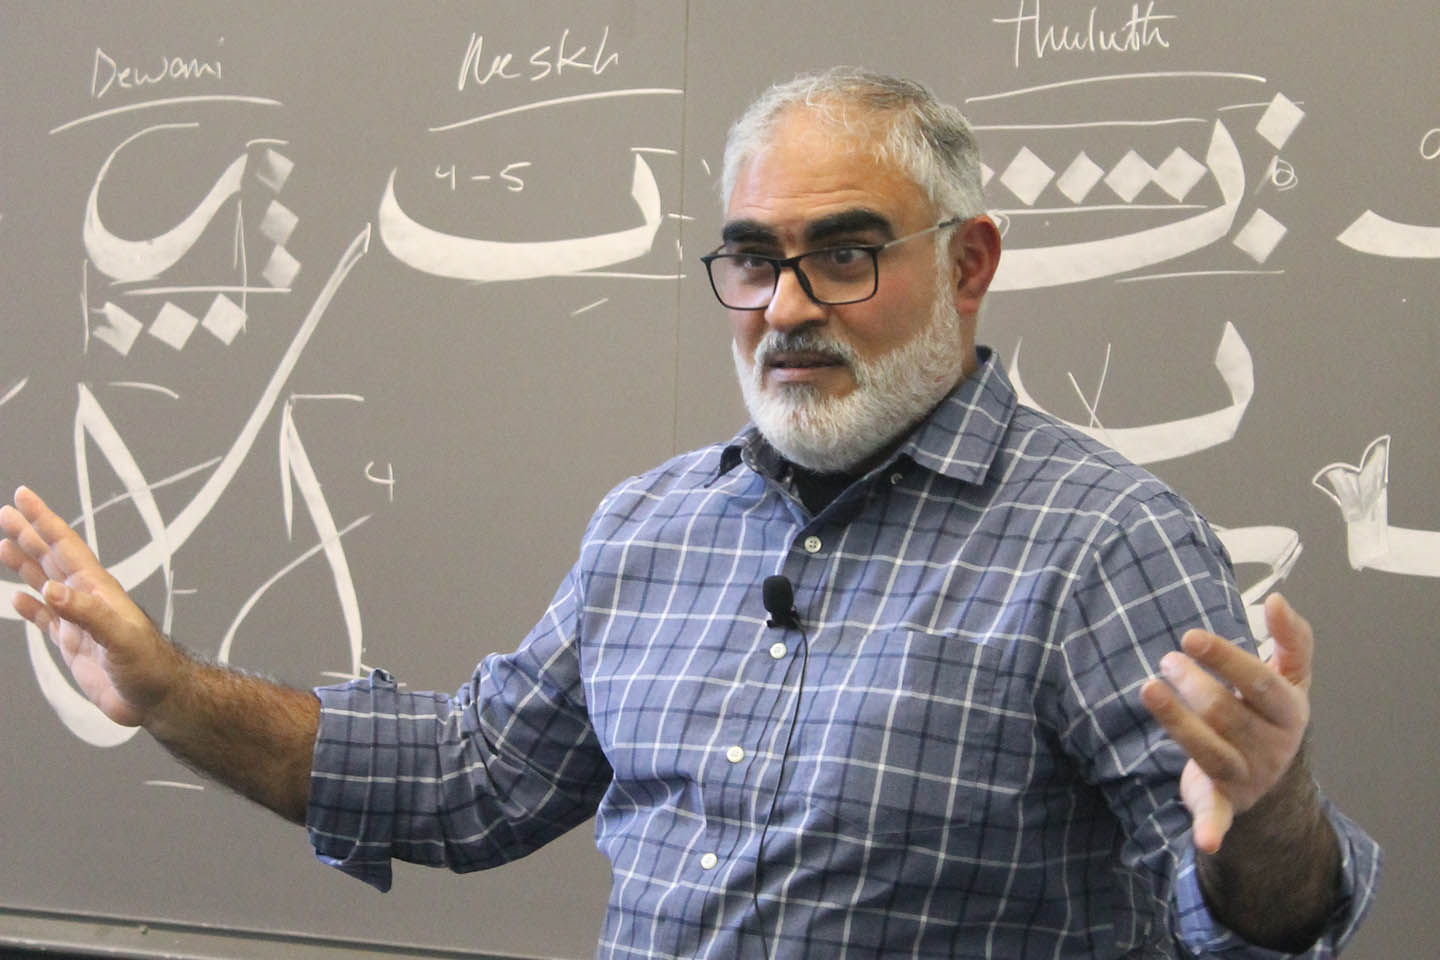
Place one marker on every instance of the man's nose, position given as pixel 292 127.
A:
pixel 792 307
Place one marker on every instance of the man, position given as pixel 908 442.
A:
pixel 938 730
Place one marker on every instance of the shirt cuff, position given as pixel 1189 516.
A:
pixel 350 817
pixel 1359 869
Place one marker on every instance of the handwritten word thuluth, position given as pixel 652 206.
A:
pixel 543 61
pixel 108 73
pixel 1142 30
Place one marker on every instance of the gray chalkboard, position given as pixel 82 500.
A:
pixel 337 318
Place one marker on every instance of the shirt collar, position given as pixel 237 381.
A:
pixel 959 438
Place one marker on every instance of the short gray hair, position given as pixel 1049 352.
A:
pixel 929 140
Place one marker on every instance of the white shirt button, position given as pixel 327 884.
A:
pixel 735 754
pixel 709 861
pixel 778 650
pixel 812 544
pixel 896 478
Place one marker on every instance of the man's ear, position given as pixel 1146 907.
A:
pixel 974 256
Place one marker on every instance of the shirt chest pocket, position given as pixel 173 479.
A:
pixel 898 737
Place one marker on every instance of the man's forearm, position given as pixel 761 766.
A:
pixel 1276 877
pixel 251 734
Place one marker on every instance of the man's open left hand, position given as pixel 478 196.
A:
pixel 1241 720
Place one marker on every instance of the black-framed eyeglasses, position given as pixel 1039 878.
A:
pixel 832 276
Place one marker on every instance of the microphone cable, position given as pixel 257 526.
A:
pixel 779 597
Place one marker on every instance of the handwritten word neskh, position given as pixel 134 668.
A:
pixel 543 61
pixel 1142 30
pixel 108 73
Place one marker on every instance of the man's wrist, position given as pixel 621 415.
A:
pixel 1291 807
pixel 165 717
pixel 1281 853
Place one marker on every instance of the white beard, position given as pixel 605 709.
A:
pixel 892 392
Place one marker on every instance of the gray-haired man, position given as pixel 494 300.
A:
pixel 943 735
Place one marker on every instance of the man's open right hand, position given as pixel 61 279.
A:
pixel 115 653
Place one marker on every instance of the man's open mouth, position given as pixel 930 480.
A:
pixel 803 358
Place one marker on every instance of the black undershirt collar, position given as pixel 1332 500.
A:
pixel 818 490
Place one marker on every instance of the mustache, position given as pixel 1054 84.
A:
pixel 802 341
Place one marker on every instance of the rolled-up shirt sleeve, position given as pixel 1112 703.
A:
pixel 1360 861
pixel 468 781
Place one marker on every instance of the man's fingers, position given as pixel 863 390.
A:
pixel 1211 811
pixel 1259 685
pixel 21 562
pixel 34 509
pixel 83 609
pixel 46 522
pixel 12 521
pixel 1294 640
pixel 33 610
pixel 1213 702
pixel 55 550
pixel 1193 732
pixel 54 536
pixel 19 532
pixel 28 541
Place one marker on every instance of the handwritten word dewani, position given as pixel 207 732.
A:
pixel 108 73
pixel 543 62
pixel 1142 30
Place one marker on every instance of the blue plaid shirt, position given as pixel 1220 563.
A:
pixel 950 758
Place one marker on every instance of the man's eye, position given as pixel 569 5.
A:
pixel 841 257
pixel 751 261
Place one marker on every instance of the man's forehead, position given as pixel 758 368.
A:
pixel 814 176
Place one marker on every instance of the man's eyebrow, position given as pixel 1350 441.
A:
pixel 848 221
pixel 748 231
pixel 859 220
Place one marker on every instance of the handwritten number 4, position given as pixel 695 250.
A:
pixel 387 481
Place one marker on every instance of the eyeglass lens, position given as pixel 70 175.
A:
pixel 838 275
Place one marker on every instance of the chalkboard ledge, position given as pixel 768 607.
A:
pixel 26 932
